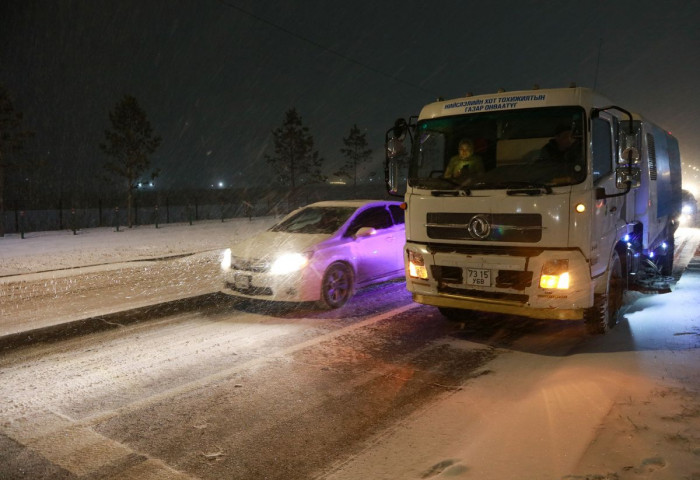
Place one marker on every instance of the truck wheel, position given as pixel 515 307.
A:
pixel 666 263
pixel 336 286
pixel 603 315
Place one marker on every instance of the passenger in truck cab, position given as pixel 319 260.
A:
pixel 465 163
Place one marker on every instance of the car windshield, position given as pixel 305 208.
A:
pixel 315 220
pixel 531 148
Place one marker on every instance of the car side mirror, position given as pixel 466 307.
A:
pixel 365 232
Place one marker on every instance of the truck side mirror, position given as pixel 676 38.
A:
pixel 395 148
pixel 630 174
pixel 392 176
pixel 395 154
pixel 630 156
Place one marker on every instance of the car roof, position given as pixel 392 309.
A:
pixel 351 203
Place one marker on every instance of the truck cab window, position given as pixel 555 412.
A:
pixel 602 148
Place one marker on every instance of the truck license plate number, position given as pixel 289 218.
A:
pixel 241 282
pixel 479 276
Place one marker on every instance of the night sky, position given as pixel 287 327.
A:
pixel 215 78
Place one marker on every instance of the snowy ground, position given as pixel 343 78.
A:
pixel 623 406
pixel 49 251
pixel 51 278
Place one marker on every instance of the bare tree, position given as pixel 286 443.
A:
pixel 356 153
pixel 129 143
pixel 12 138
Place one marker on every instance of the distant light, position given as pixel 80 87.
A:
pixel 221 184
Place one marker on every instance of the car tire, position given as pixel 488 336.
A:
pixel 336 286
pixel 603 315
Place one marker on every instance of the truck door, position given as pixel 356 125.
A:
pixel 608 213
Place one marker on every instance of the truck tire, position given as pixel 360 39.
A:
pixel 603 315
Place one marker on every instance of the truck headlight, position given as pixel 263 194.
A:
pixel 289 262
pixel 555 275
pixel 416 266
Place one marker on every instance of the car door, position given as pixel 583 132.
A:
pixel 399 239
pixel 374 255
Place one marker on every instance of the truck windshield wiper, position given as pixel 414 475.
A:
pixel 457 192
pixel 527 188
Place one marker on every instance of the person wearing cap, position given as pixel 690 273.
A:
pixel 465 162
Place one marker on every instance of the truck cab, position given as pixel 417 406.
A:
pixel 558 203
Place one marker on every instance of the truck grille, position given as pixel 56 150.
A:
pixel 497 227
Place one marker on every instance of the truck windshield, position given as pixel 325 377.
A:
pixel 540 147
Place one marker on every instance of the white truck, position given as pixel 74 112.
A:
pixel 542 228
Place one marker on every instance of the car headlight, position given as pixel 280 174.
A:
pixel 226 259
pixel 289 262
pixel 687 209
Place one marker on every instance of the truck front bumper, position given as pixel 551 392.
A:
pixel 455 279
pixel 484 305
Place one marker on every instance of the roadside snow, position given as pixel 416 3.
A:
pixel 55 250
pixel 55 278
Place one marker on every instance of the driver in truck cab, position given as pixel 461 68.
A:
pixel 564 147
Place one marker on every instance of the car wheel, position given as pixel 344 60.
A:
pixel 337 285
pixel 603 315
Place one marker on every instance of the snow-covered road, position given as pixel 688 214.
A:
pixel 381 389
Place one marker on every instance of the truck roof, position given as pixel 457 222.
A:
pixel 515 100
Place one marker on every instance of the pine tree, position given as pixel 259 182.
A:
pixel 295 159
pixel 129 143
pixel 356 153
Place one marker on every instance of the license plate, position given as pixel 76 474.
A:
pixel 241 282
pixel 479 276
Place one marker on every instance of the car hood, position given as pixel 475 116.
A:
pixel 270 243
